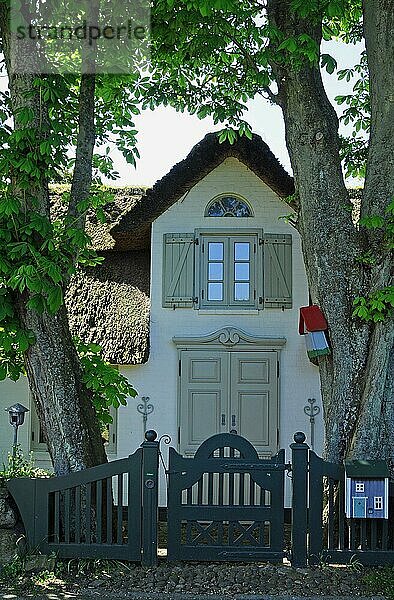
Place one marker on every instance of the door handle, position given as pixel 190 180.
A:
pixel 223 419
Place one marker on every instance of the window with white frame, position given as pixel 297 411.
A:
pixel 37 436
pixel 228 270
pixel 378 502
pixel 359 487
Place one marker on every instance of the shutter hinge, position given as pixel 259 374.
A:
pixel 260 300
pixel 277 369
pixel 277 437
pixel 179 368
pixel 179 435
pixel 196 241
pixel 202 294
pixel 195 300
pixel 261 241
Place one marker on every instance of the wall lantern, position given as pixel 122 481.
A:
pixel 16 414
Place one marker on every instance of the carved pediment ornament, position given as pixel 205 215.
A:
pixel 229 337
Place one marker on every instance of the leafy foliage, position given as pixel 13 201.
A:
pixel 108 386
pixel 378 306
pixel 20 466
pixel 40 250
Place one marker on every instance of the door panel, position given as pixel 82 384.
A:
pixel 204 397
pixel 254 398
pixel 204 371
pixel 203 415
pixel 224 390
pixel 252 370
pixel 254 419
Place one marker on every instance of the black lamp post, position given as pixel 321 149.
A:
pixel 16 413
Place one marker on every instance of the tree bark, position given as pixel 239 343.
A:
pixel 354 375
pixel 53 369
pixel 373 433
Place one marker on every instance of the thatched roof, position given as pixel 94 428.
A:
pixel 122 201
pixel 109 305
pixel 133 229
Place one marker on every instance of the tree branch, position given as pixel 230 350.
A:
pixel 82 175
pixel 379 39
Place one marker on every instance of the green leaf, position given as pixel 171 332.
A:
pixel 3 372
pixel 329 63
pixel 55 298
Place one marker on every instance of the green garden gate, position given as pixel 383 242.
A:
pixel 226 503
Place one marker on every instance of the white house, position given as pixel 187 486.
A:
pixel 197 302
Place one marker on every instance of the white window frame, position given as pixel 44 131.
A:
pixel 359 487
pixel 229 237
pixel 40 446
pixel 378 502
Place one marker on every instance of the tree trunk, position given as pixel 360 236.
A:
pixel 54 373
pixel 354 375
pixel 63 403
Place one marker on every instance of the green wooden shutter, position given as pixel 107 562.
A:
pixel 277 270
pixel 178 270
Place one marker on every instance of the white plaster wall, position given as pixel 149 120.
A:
pixel 157 379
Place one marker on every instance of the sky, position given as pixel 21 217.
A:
pixel 166 137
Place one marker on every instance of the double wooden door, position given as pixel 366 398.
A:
pixel 224 391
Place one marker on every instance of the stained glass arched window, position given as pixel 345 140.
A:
pixel 228 206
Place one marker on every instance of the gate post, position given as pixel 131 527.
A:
pixel 299 510
pixel 150 477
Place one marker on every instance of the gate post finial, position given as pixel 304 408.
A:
pixel 299 507
pixel 299 437
pixel 150 435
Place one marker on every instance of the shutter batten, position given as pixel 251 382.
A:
pixel 178 270
pixel 278 271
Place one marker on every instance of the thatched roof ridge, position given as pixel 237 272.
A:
pixel 109 305
pixel 133 229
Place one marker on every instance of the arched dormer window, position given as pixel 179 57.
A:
pixel 228 206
